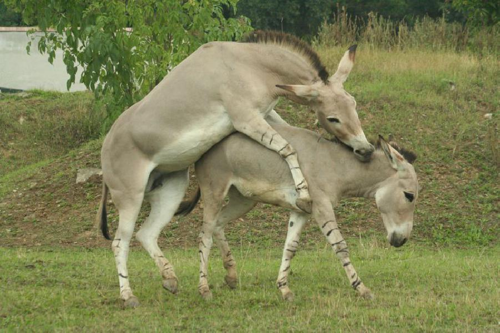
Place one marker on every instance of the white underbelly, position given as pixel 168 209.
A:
pixel 284 196
pixel 194 142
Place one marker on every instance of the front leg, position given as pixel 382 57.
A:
pixel 325 217
pixel 295 225
pixel 254 126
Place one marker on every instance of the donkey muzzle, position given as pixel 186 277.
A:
pixel 364 154
pixel 397 240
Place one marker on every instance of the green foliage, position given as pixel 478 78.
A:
pixel 299 17
pixel 381 32
pixel 479 12
pixel 127 64
pixel 9 18
pixel 395 9
pixel 304 18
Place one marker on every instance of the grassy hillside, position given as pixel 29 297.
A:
pixel 39 125
pixel 433 103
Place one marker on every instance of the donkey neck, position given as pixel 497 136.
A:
pixel 285 66
pixel 363 179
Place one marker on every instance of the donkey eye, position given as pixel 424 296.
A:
pixel 409 196
pixel 333 120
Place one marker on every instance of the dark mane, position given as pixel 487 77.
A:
pixel 291 42
pixel 409 156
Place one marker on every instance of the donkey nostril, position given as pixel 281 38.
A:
pixel 363 152
pixel 396 241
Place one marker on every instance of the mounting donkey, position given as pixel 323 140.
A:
pixel 221 88
pixel 248 173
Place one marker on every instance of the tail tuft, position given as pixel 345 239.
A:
pixel 187 207
pixel 102 216
pixel 104 223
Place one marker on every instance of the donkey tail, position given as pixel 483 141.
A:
pixel 187 206
pixel 102 215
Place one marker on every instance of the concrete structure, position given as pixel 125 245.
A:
pixel 18 70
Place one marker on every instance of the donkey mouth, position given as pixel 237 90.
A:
pixel 397 241
pixel 363 155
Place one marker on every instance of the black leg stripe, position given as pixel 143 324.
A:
pixel 270 142
pixel 279 151
pixel 337 243
pixel 324 225
pixel 123 276
pixel 347 264
pixel 332 230
pixel 356 283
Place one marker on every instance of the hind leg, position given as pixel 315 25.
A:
pixel 127 193
pixel 164 202
pixel 238 206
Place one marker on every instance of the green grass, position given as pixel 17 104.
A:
pixel 418 289
pixel 39 125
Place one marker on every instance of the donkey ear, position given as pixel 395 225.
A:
pixel 392 155
pixel 345 66
pixel 302 91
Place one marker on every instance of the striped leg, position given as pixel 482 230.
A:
pixel 259 130
pixel 295 225
pixel 231 277
pixel 236 207
pixel 325 218
pixel 204 245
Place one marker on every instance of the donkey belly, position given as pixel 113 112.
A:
pixel 192 142
pixel 283 195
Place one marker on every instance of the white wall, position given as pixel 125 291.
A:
pixel 18 70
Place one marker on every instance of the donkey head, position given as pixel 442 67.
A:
pixel 335 108
pixel 397 195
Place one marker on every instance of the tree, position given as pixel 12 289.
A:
pixel 8 18
pixel 127 63
pixel 299 17
pixel 479 12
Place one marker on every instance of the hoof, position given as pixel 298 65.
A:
pixel 288 297
pixel 207 295
pixel 366 293
pixel 171 285
pixel 231 282
pixel 304 204
pixel 131 302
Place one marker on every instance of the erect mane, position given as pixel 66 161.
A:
pixel 291 43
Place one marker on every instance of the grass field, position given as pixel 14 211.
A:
pixel 416 289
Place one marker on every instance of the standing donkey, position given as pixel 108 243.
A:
pixel 221 88
pixel 249 174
